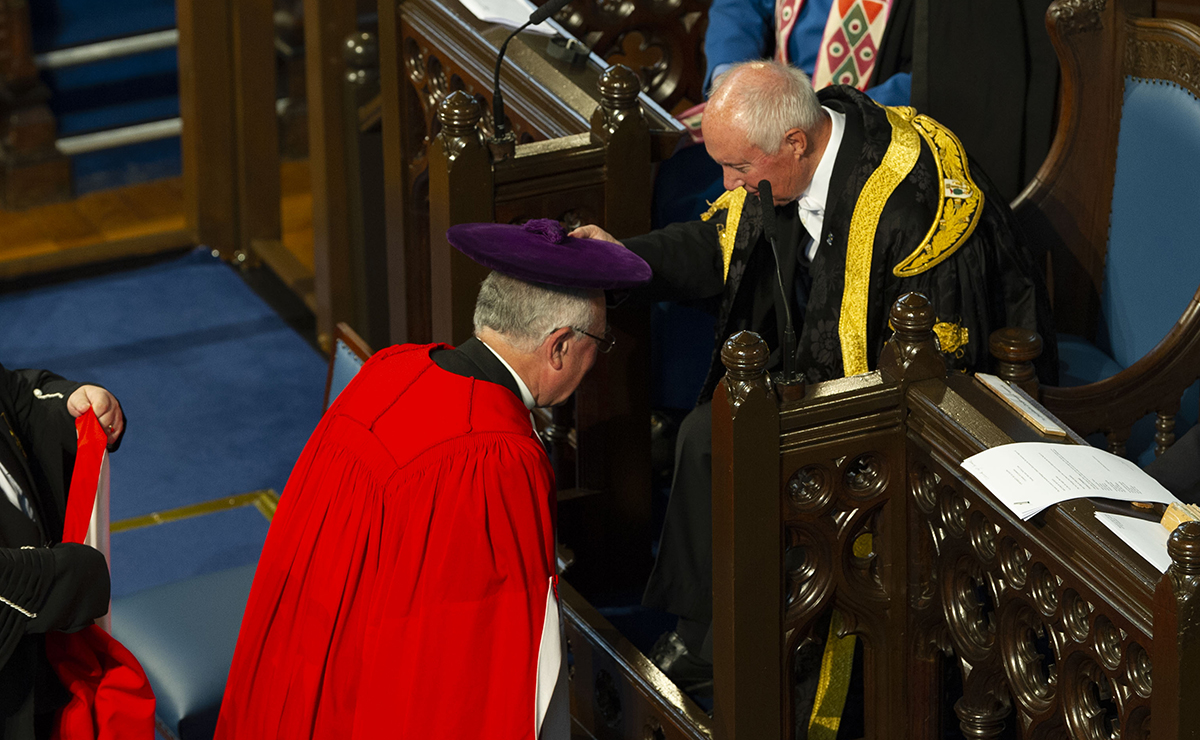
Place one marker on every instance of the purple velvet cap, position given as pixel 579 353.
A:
pixel 540 251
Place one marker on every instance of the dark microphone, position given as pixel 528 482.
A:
pixel 770 230
pixel 546 11
pixel 541 14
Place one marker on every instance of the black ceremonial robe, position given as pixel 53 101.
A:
pixel 964 251
pixel 66 584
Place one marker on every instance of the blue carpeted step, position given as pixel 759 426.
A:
pixel 112 93
pixel 220 393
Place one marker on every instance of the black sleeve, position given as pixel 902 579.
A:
pixel 63 587
pixel 39 400
pixel 685 258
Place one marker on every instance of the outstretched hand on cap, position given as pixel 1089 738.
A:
pixel 592 231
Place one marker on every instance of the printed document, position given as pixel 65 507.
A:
pixel 1029 476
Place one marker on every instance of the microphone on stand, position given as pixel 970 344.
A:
pixel 770 230
pixel 538 16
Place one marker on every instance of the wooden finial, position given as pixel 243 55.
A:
pixel 1184 548
pixel 912 354
pixel 1015 350
pixel 459 114
pixel 361 51
pixel 619 87
pixel 745 356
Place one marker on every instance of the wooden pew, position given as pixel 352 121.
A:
pixel 1054 624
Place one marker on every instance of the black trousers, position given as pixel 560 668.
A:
pixel 681 582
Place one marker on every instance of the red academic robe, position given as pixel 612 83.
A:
pixel 406 587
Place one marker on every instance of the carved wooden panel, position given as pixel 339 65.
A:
pixel 1024 622
pixel 843 515
pixel 661 40
pixel 432 76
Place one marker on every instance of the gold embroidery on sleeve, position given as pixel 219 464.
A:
pixel 960 202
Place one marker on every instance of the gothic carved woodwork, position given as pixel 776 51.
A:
pixel 1058 628
pixel 32 171
pixel 661 40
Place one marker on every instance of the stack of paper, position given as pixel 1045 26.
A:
pixel 1029 476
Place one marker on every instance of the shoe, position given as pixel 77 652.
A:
pixel 693 675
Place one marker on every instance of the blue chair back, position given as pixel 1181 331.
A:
pixel 1153 265
pixel 346 364
pixel 1152 269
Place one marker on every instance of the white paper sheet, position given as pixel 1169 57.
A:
pixel 1147 538
pixel 1029 476
pixel 511 13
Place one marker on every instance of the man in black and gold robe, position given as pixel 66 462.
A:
pixel 871 203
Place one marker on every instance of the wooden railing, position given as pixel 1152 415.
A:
pixel 967 615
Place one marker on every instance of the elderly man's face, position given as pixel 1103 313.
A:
pixel 745 165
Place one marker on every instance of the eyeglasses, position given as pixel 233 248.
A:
pixel 604 343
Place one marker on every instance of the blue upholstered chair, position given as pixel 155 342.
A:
pixel 1117 207
pixel 184 633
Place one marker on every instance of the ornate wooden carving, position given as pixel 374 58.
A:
pixel 32 171
pixel 1059 628
pixel 1159 59
pixel 746 514
pixel 1077 16
pixel 912 353
pixel 662 41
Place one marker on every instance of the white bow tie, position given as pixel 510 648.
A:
pixel 808 205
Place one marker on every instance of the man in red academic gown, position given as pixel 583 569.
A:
pixel 407 585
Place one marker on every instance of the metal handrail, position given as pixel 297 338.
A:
pixel 110 49
pixel 135 134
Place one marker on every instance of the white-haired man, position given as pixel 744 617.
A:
pixel 407 586
pixel 871 203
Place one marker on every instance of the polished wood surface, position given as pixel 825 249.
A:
pixel 326 26
pixel 229 143
pixel 101 226
pixel 1054 624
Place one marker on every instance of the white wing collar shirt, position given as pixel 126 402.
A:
pixel 812 201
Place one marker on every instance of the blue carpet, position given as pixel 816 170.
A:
pixel 185 548
pixel 220 393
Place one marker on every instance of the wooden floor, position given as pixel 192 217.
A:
pixel 106 225
pixel 135 220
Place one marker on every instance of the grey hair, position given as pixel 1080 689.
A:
pixel 768 106
pixel 525 313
